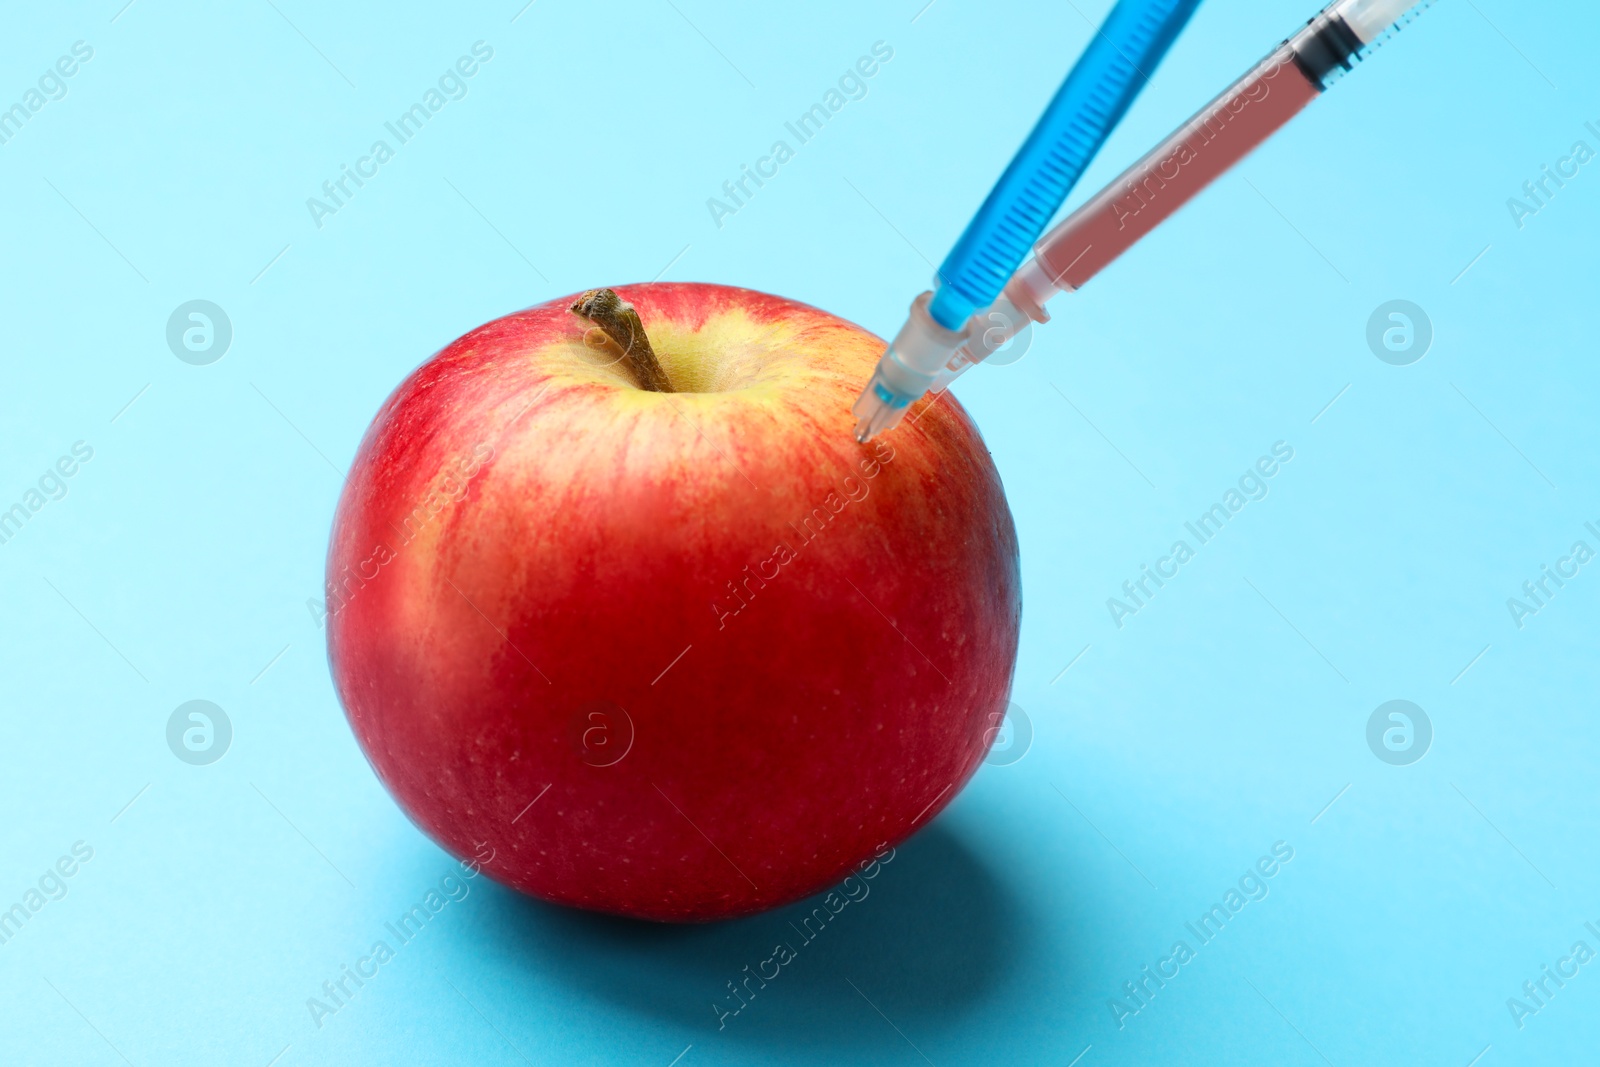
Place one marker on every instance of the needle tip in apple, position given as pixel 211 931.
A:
pixel 875 411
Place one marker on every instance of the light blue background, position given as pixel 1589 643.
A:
pixel 1224 717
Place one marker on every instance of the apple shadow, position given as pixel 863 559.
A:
pixel 925 948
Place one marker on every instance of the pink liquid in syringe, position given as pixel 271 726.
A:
pixel 1223 132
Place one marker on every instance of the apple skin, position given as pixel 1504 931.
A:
pixel 678 656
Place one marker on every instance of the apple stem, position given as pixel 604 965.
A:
pixel 620 331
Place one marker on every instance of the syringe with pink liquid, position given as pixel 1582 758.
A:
pixel 1169 175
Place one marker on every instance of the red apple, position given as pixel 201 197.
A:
pixel 676 655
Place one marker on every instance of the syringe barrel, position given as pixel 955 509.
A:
pixel 1110 73
pixel 1169 175
pixel 1222 133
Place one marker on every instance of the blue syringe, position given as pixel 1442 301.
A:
pixel 1089 104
